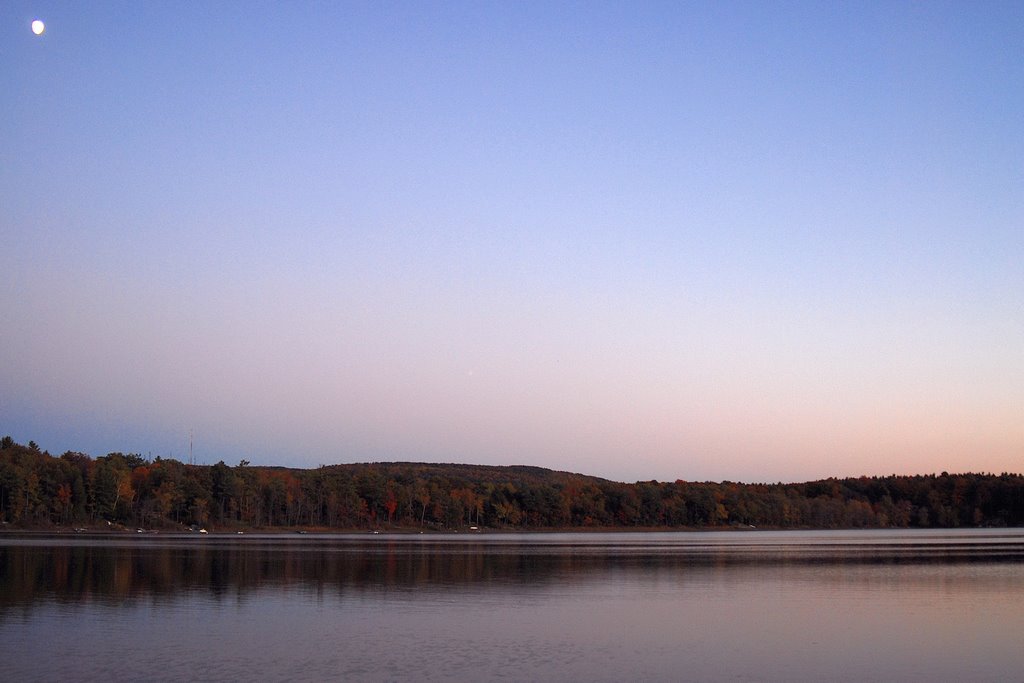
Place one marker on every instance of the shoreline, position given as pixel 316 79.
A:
pixel 303 531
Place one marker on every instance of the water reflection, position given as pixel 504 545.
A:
pixel 599 607
pixel 117 570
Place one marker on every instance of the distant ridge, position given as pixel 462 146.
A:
pixel 38 490
pixel 473 473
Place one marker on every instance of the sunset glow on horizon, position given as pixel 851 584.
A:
pixel 750 242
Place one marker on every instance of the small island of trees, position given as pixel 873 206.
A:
pixel 38 490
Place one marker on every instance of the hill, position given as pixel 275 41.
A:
pixel 40 490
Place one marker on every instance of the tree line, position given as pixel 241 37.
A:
pixel 74 489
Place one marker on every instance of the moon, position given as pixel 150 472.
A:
pixel 38 27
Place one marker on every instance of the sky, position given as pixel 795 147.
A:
pixel 745 241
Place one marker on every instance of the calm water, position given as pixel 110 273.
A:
pixel 783 606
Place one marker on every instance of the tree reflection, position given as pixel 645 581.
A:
pixel 119 572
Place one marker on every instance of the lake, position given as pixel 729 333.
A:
pixel 902 605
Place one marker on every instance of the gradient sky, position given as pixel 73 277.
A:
pixel 726 240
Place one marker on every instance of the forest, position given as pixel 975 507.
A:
pixel 39 490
